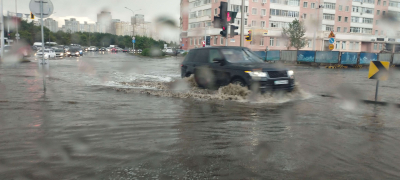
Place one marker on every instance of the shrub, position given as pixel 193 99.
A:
pixel 185 53
pixel 146 52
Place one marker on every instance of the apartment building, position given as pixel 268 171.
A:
pixel 359 25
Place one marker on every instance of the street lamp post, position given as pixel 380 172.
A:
pixel 133 27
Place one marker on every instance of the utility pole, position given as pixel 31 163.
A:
pixel 43 62
pixel 242 25
pixel 2 30
pixel 16 18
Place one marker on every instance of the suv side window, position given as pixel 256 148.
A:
pixel 190 56
pixel 201 56
pixel 214 53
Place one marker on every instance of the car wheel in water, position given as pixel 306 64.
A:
pixel 239 82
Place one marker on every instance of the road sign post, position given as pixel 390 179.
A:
pixel 133 43
pixel 44 8
pixel 378 70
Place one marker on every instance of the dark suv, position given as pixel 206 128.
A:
pixel 218 66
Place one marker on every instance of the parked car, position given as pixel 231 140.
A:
pixel 139 51
pixel 114 50
pixel 59 52
pixel 169 51
pixel 47 53
pixel 102 49
pixel 220 66
pixel 73 52
pixel 125 50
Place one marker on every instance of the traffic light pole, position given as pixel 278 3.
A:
pixel 227 27
pixel 242 26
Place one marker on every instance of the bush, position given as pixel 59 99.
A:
pixel 185 53
pixel 146 52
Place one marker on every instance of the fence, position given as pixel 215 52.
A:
pixel 329 57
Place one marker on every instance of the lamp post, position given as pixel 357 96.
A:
pixel 133 27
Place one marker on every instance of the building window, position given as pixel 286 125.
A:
pixel 339 18
pixel 384 3
pixel 277 42
pixel 376 32
pixel 263 12
pixel 305 16
pixel 340 7
pixel 222 41
pixel 383 13
pixel 278 24
pixel 338 29
pixel 329 5
pixel 378 12
pixel 375 46
pixel 191 42
pixel 264 1
pixel 253 23
pixel 215 40
pixel 329 16
pixel 356 45
pixel 285 13
pixel 271 42
pixel 346 19
pixel 200 39
pixel 377 22
pixel 337 45
pixel 380 47
pixel 262 24
pixel 343 44
pixel 329 28
pixel 305 4
pixel 312 5
pixel 351 46
pixel 379 2
pixel 254 11
pixel 345 29
pixel 245 22
pixel 347 8
pixel 309 43
pixel 382 32
pixel 255 0
pixel 215 11
pixel 262 42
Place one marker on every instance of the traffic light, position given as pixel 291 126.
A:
pixel 223 14
pixel 249 37
pixel 232 32
pixel 224 31
pixel 32 16
pixel 217 22
pixel 230 17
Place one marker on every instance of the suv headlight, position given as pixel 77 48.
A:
pixel 256 73
pixel 290 74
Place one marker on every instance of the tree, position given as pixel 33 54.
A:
pixel 295 34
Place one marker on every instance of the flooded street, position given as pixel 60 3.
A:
pixel 117 116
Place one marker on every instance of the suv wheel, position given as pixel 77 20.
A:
pixel 239 82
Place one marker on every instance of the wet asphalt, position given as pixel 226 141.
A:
pixel 85 127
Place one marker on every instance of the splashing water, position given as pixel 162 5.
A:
pixel 187 88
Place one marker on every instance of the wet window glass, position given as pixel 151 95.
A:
pixel 240 56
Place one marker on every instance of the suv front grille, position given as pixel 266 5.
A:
pixel 277 74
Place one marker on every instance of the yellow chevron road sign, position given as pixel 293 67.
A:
pixel 379 70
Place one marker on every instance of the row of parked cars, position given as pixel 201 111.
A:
pixel 58 51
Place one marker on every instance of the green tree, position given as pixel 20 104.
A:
pixel 295 34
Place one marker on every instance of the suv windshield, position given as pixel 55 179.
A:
pixel 240 56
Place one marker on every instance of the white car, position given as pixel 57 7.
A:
pixel 48 53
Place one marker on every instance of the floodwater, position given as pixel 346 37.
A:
pixel 117 116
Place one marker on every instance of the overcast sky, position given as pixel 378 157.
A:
pixel 86 10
